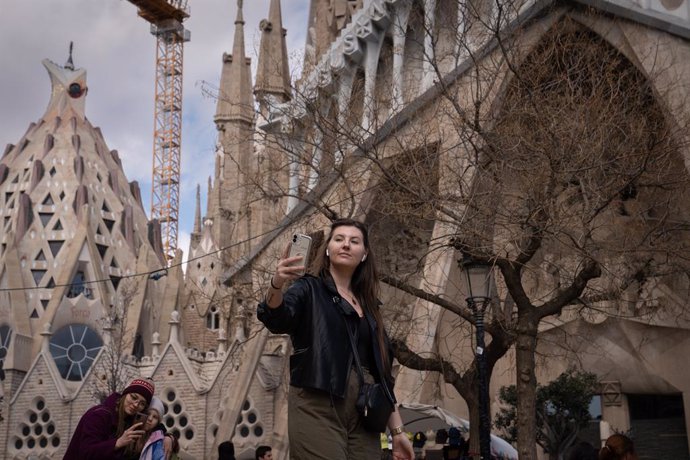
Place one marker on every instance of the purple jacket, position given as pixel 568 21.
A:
pixel 96 433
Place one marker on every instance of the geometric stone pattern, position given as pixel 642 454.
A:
pixel 176 418
pixel 611 393
pixel 36 430
pixel 248 423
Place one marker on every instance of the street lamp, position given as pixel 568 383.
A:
pixel 477 280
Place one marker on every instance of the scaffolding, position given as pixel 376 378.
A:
pixel 166 18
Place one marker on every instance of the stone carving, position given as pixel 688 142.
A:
pixel 364 28
pixel 352 47
pixel 611 394
pixel 378 12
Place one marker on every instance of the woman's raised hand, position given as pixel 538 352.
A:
pixel 130 435
pixel 288 269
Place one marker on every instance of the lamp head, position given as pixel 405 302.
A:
pixel 476 278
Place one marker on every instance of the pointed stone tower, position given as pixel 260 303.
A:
pixel 273 72
pixel 272 88
pixel 236 165
pixel 73 239
pixel 206 301
pixel 209 307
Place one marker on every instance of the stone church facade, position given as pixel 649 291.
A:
pixel 82 276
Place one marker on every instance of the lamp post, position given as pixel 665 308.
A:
pixel 477 279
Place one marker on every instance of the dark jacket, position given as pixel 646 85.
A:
pixel 314 315
pixel 96 433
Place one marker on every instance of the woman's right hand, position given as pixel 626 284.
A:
pixel 130 435
pixel 287 269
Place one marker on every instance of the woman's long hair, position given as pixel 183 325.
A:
pixel 124 421
pixel 364 283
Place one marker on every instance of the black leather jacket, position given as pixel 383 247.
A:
pixel 314 315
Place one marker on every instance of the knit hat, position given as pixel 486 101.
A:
pixel 141 387
pixel 157 404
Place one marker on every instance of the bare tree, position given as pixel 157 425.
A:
pixel 546 152
pixel 111 368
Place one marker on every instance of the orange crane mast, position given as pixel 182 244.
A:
pixel 166 18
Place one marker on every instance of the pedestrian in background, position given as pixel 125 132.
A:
pixel 618 447
pixel 226 451
pixel 263 453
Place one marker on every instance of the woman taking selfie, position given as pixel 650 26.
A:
pixel 107 431
pixel 328 317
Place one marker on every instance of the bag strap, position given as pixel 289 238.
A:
pixel 355 353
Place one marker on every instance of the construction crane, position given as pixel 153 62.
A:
pixel 166 18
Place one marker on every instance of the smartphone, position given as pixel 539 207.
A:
pixel 141 417
pixel 300 246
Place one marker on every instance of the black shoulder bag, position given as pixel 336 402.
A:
pixel 374 403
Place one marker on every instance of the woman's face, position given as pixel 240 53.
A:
pixel 134 402
pixel 153 420
pixel 346 247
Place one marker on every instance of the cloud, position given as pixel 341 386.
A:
pixel 183 240
pixel 116 48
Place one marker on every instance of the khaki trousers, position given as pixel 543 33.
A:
pixel 322 427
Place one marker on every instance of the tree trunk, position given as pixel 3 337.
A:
pixel 473 409
pixel 526 392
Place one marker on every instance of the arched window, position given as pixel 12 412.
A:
pixel 74 348
pixel 78 286
pixel 213 318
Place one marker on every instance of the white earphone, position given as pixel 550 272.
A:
pixel 327 254
pixel 364 257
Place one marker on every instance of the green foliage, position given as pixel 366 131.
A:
pixel 562 410
pixel 507 416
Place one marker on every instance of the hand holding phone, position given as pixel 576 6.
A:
pixel 133 433
pixel 300 246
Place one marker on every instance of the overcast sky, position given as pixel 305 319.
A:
pixel 116 48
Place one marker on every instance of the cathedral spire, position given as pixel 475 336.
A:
pixel 273 71
pixel 235 163
pixel 68 95
pixel 197 211
pixel 210 195
pixel 70 64
pixel 235 100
